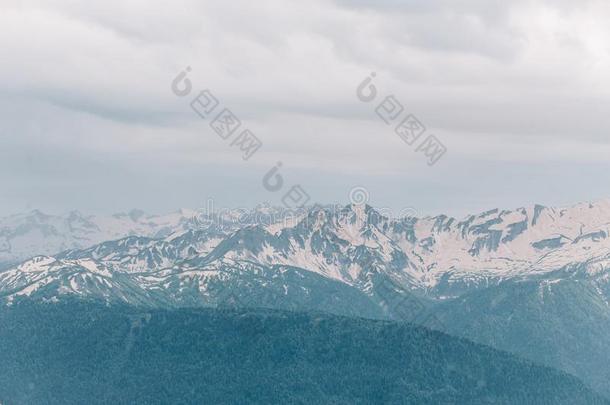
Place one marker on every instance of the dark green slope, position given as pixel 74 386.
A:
pixel 77 352
pixel 564 323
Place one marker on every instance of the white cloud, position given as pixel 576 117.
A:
pixel 522 82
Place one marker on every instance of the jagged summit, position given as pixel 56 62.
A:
pixel 440 256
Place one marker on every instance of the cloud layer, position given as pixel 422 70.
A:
pixel 517 91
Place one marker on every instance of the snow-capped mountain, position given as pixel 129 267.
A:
pixel 438 257
pixel 34 233
pixel 526 280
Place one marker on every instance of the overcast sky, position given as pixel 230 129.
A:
pixel 518 92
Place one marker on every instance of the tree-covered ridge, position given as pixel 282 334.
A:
pixel 84 352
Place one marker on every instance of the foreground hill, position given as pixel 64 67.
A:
pixel 82 352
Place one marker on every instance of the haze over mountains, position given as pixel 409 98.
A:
pixel 534 281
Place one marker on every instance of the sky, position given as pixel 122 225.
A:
pixel 517 93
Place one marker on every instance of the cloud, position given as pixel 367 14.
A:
pixel 518 82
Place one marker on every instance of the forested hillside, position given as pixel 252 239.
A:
pixel 84 352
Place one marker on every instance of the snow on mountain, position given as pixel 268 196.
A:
pixel 35 233
pixel 26 235
pixel 440 257
pixel 500 244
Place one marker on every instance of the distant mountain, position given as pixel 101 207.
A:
pixel 352 260
pixel 441 256
pixel 438 258
pixel 82 352
pixel 35 233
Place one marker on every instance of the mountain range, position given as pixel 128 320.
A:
pixel 534 281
